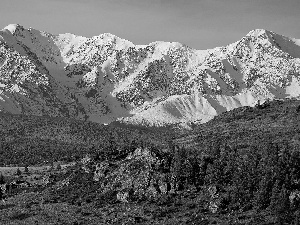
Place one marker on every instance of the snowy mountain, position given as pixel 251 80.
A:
pixel 106 78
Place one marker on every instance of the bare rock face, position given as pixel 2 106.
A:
pixel 48 179
pixel 106 78
pixel 135 173
pixel 295 198
pixel 61 184
pixel 134 178
pixel 122 196
pixel 214 199
pixel 86 163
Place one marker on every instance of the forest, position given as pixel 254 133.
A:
pixel 242 167
pixel 34 140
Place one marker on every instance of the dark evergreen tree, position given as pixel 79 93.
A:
pixel 282 210
pixel 2 179
pixel 275 197
pixel 58 167
pixel 296 217
pixel 261 198
pixel 18 172
pixel 26 170
pixel 177 166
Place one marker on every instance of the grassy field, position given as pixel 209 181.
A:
pixel 11 170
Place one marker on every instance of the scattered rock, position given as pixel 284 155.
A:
pixel 86 163
pixel 101 170
pixel 123 196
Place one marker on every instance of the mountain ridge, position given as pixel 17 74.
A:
pixel 105 78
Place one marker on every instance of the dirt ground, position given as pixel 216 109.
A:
pixel 10 171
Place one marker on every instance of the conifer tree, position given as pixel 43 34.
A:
pixel 282 210
pixel 18 173
pixel 176 168
pixel 261 197
pixel 297 217
pixel 2 179
pixel 51 168
pixel 26 170
pixel 275 197
pixel 58 167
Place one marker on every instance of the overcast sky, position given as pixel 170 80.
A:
pixel 200 24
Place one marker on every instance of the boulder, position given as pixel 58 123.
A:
pixel 135 177
pixel 295 198
pixel 123 196
pixel 48 179
pixel 101 170
pixel 86 164
pixel 214 198
pixel 61 184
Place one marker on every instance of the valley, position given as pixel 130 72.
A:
pixel 116 133
pixel 242 167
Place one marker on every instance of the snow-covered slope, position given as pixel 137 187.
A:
pixel 106 78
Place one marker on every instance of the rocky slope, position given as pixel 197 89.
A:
pixel 106 78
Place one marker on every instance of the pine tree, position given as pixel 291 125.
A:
pixel 261 197
pixel 282 210
pixel 58 167
pixel 51 168
pixel 275 197
pixel 2 179
pixel 18 173
pixel 176 168
pixel 26 170
pixel 296 217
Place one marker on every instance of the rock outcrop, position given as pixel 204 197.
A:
pixel 136 177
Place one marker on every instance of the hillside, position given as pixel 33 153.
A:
pixel 31 140
pixel 273 121
pixel 242 167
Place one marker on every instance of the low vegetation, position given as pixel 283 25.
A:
pixel 240 168
pixel 34 140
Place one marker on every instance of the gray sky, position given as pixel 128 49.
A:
pixel 200 24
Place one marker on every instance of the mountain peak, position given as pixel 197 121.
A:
pixel 108 35
pixel 282 42
pixel 259 32
pixel 13 28
pixel 105 77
